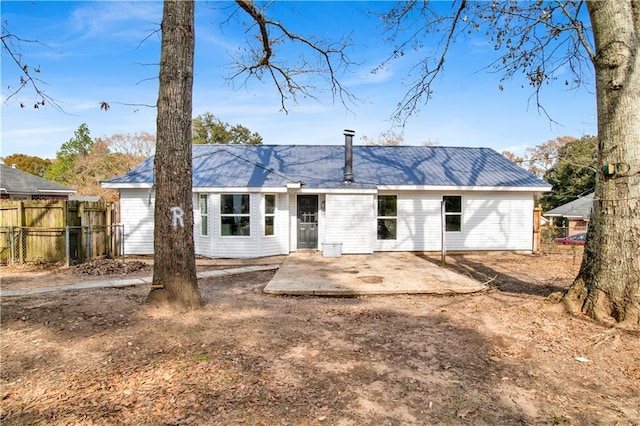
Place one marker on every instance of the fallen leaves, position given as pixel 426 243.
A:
pixel 110 267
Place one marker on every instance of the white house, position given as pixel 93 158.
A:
pixel 263 200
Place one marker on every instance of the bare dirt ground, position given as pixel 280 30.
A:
pixel 506 356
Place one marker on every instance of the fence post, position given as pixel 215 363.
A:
pixel 537 213
pixel 121 228
pixel 12 243
pixel 89 248
pixel 22 244
pixel 67 245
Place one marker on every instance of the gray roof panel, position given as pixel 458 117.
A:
pixel 15 181
pixel 322 167
pixel 579 208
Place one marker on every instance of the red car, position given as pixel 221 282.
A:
pixel 578 239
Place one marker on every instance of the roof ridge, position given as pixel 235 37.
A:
pixel 221 145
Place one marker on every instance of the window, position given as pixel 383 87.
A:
pixel 453 213
pixel 204 214
pixel 269 214
pixel 234 214
pixel 387 217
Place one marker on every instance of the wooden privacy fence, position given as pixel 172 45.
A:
pixel 52 231
pixel 72 244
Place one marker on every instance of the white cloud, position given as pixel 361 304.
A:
pixel 369 76
pixel 119 20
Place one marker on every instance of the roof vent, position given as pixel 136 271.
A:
pixel 348 155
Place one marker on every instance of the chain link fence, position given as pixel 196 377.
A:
pixel 549 233
pixel 70 244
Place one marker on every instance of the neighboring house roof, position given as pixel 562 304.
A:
pixel 322 167
pixel 576 209
pixel 14 181
pixel 92 198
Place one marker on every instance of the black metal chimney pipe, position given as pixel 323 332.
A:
pixel 348 155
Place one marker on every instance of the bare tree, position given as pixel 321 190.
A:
pixel 174 278
pixel 137 145
pixel 174 272
pixel 539 39
pixel 389 138
pixel 608 284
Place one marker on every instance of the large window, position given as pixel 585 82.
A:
pixel 387 217
pixel 269 214
pixel 453 212
pixel 204 214
pixel 234 214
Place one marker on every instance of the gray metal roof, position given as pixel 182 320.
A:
pixel 322 167
pixel 580 208
pixel 14 181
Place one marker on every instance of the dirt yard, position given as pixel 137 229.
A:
pixel 506 356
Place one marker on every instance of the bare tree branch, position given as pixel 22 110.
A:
pixel 26 78
pixel 421 88
pixel 538 40
pixel 290 80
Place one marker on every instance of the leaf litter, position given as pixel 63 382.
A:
pixel 506 356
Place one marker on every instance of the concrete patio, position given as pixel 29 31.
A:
pixel 309 273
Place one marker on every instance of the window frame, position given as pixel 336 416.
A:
pixel 204 216
pixel 241 215
pixel 269 215
pixel 386 217
pixel 448 214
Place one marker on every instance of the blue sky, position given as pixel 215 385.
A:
pixel 106 51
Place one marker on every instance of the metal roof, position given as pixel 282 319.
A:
pixel 14 181
pixel 580 208
pixel 322 167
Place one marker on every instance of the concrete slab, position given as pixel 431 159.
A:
pixel 309 273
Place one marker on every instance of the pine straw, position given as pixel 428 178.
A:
pixel 507 356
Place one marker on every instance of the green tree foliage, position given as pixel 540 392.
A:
pixel 82 162
pixel 208 129
pixel 64 169
pixel 574 172
pixel 29 163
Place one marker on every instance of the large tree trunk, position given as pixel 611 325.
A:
pixel 608 285
pixel 174 273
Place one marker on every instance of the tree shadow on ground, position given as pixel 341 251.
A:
pixel 508 282
pixel 247 357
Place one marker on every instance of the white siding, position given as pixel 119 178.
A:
pixel 202 243
pixel 293 222
pixel 272 245
pixel 350 220
pixel 494 221
pixel 490 221
pixel 418 227
pixel 137 216
pixel 256 244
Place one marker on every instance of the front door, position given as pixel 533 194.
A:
pixel 307 221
